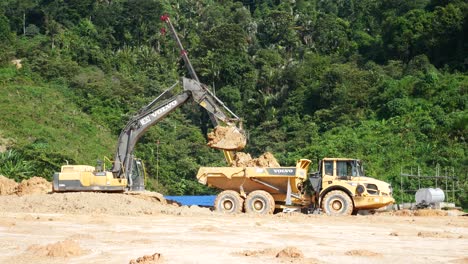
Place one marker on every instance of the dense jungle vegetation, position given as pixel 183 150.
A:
pixel 381 80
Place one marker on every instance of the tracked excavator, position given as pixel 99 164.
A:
pixel 128 173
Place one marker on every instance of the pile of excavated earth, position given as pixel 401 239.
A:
pixel 148 259
pixel 420 212
pixel 66 248
pixel 34 185
pixel 35 196
pixel 230 138
pixel 267 159
pixel 286 255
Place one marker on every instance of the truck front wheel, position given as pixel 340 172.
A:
pixel 259 202
pixel 228 202
pixel 337 203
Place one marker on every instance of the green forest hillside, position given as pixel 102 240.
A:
pixel 381 80
pixel 45 128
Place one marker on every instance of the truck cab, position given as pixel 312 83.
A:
pixel 342 187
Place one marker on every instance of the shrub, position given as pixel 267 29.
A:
pixel 14 165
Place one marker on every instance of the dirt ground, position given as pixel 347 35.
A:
pixel 117 228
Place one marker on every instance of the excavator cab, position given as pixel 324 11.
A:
pixel 138 175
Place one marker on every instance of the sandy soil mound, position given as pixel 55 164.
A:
pixel 267 159
pixel 92 203
pixel 257 253
pixel 290 252
pixel 402 213
pixel 420 212
pixel 150 196
pixel 430 212
pixel 286 255
pixel 66 248
pixel 229 138
pixel 148 259
pixel 362 253
pixel 435 234
pixel 7 186
pixel 34 185
pixel 242 159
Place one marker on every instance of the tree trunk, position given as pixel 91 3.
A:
pixel 24 23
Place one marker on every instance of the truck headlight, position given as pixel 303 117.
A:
pixel 360 189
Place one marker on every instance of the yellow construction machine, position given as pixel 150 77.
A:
pixel 128 172
pixel 339 187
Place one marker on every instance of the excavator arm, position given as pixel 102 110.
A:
pixel 228 154
pixel 183 53
pixel 136 127
pixel 156 111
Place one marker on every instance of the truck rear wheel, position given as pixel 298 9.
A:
pixel 337 203
pixel 259 202
pixel 228 202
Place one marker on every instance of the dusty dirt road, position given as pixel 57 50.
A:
pixel 115 228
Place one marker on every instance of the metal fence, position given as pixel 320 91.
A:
pixel 445 179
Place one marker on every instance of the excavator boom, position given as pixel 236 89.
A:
pixel 228 138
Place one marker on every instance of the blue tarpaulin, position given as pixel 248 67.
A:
pixel 200 200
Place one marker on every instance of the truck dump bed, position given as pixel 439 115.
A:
pixel 278 181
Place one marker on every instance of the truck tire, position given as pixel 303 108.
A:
pixel 228 202
pixel 337 203
pixel 259 202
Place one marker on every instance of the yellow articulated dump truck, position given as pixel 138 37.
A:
pixel 339 187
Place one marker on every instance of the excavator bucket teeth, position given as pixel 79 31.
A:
pixel 227 138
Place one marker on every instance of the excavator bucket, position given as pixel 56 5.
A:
pixel 227 138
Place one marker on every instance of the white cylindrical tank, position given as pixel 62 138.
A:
pixel 430 195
